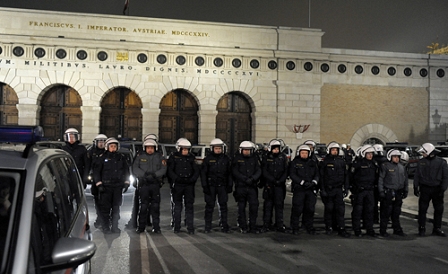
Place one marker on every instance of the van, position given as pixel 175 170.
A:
pixel 46 228
pixel 200 151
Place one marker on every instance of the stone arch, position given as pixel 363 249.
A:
pixel 9 115
pixel 178 117
pixel 378 131
pixel 60 109
pixel 234 119
pixel 121 114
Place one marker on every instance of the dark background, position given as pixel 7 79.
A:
pixel 384 25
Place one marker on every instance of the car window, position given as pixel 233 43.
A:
pixel 443 152
pixel 7 202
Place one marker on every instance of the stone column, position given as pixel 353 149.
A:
pixel 207 125
pixel 28 114
pixel 150 122
pixel 90 122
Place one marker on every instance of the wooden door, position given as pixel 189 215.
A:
pixel 60 110
pixel 233 122
pixel 121 114
pixel 178 117
pixel 8 101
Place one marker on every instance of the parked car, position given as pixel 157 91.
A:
pixel 45 227
pixel 443 151
pixel 410 150
pixel 200 151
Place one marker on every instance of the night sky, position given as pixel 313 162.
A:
pixel 384 25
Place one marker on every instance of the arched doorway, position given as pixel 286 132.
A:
pixel 178 117
pixel 60 110
pixel 121 114
pixel 233 122
pixel 8 101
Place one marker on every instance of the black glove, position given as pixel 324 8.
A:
pixel 323 193
pixel 277 183
pixel 101 189
pixel 417 191
pixel 249 181
pixel 206 190
pixel 125 188
pixel 307 185
pixel 382 194
pixel 404 194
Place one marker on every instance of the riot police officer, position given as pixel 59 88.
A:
pixel 274 173
pixel 112 179
pixel 183 173
pixel 93 156
pixel 379 158
pixel 363 179
pixel 304 173
pixel 335 184
pixel 246 173
pixel 392 188
pixel 216 181
pixel 430 183
pixel 78 151
pixel 149 168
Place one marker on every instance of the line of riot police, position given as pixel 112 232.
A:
pixel 370 177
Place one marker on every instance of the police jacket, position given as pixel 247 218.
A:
pixel 333 172
pixel 303 170
pixel 431 171
pixel 216 170
pixel 349 154
pixel 275 168
pixel 112 169
pixel 246 170
pixel 392 176
pixel 183 169
pixel 149 168
pixel 93 156
pixel 364 174
pixel 79 154
pixel 380 159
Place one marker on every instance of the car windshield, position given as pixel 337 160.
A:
pixel 8 196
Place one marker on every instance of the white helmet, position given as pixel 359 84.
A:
pixel 366 149
pixel 427 148
pixel 344 146
pixel 217 142
pixel 303 147
pixel 272 143
pixel 71 131
pixel 246 145
pixel 183 143
pixel 358 152
pixel 404 159
pixel 150 143
pixel 333 145
pixel 378 149
pixel 151 136
pixel 310 143
pixel 393 152
pixel 112 140
pixel 98 138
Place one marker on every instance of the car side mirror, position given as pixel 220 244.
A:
pixel 69 253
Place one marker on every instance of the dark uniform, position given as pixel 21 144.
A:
pixel 304 174
pixel 216 180
pixel 379 158
pixel 79 154
pixel 430 183
pixel 275 171
pixel 335 183
pixel 112 171
pixel 93 156
pixel 364 178
pixel 149 169
pixel 183 173
pixel 246 173
pixel 392 188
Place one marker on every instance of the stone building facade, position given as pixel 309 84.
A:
pixel 133 76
